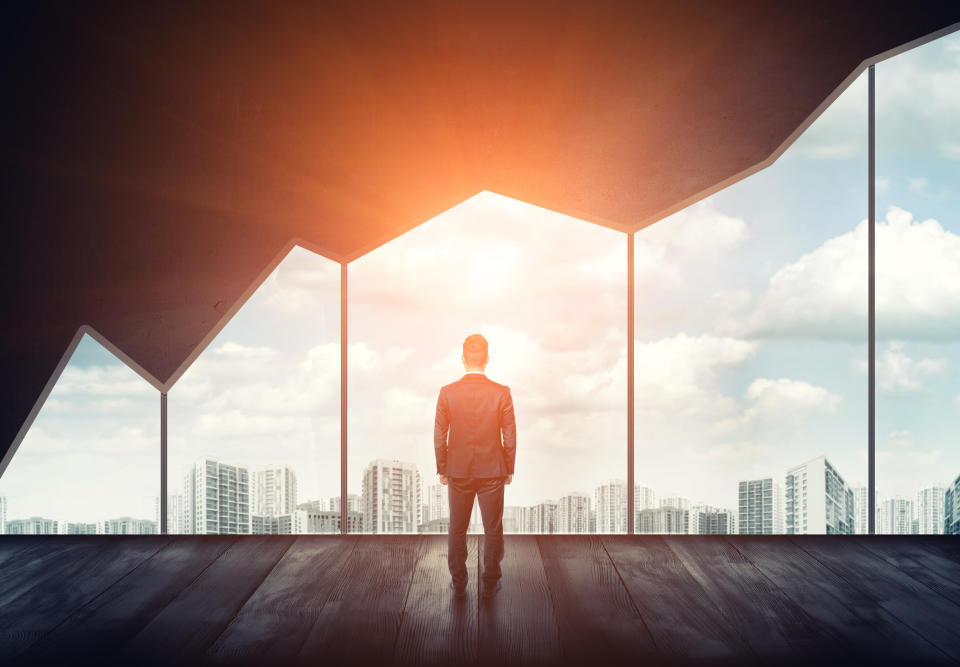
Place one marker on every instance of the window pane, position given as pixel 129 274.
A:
pixel 918 288
pixel 549 294
pixel 751 335
pixel 254 423
pixel 90 463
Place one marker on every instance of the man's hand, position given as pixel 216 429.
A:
pixel 443 479
pixel 509 479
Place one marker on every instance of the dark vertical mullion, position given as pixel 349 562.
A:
pixel 630 295
pixel 871 304
pixel 343 398
pixel 163 464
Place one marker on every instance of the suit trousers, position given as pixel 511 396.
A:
pixel 489 494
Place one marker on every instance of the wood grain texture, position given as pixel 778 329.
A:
pixel 927 564
pixel 865 630
pixel 273 624
pixel 11 546
pixel 927 613
pixel 193 620
pixel 438 628
pixel 772 624
pixel 67 587
pixel 37 562
pixel 96 631
pixel 358 624
pixel 518 625
pixel 684 622
pixel 596 618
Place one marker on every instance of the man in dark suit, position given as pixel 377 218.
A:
pixel 475 442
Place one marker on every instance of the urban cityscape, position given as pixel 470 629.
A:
pixel 224 498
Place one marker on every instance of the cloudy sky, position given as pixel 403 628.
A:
pixel 751 337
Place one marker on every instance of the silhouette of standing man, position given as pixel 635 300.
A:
pixel 475 442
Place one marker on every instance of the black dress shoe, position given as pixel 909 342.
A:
pixel 490 588
pixel 459 591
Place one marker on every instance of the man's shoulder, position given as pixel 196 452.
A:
pixel 463 380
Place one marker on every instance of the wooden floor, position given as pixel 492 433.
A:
pixel 371 600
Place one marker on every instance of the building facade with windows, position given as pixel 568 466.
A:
pixel 273 490
pixel 817 500
pixel 610 506
pixel 217 498
pixel 573 513
pixel 761 507
pixel 392 497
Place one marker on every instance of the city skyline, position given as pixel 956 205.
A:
pixel 765 507
pixel 750 347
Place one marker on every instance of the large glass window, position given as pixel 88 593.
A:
pixel 90 462
pixel 549 294
pixel 254 423
pixel 751 343
pixel 918 286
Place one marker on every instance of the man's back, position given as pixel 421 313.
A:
pixel 475 433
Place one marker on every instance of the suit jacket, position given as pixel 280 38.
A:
pixel 475 433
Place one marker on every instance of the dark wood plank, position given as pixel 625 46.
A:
pixel 679 615
pixel 858 622
pixel 193 620
pixel 947 546
pixel 517 625
pixel 97 630
pixel 438 628
pixel 273 624
pixel 930 615
pixel 358 624
pixel 44 554
pixel 11 546
pixel 27 618
pixel 596 618
pixel 773 625
pixel 915 556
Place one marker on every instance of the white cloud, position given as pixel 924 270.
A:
pixel 778 406
pixel 897 372
pixel 823 294
pixel 103 380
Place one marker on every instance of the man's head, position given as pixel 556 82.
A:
pixel 475 355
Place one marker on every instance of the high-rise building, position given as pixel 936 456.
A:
pixel 573 513
pixel 896 517
pixel 216 498
pixel 392 497
pixel 3 515
pixel 644 498
pixel 540 518
pixel 929 510
pixel 35 525
pixel 678 502
pixel 761 507
pixel 951 509
pixel 861 510
pixel 610 506
pixel 176 514
pixel 437 504
pixel 665 520
pixel 354 503
pixel 708 520
pixel 273 490
pixel 325 521
pixel 817 500
pixel 126 525
pixel 83 528
pixel 294 523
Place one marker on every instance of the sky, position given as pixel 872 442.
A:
pixel 751 345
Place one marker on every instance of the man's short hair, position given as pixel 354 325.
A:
pixel 475 350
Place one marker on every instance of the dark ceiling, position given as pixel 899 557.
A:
pixel 157 156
